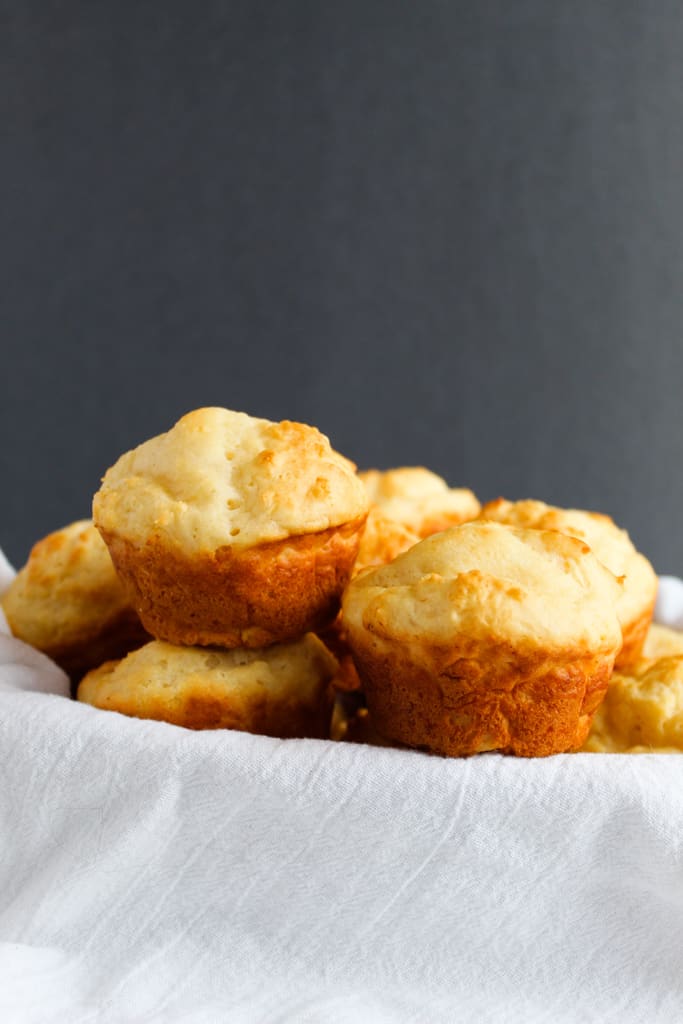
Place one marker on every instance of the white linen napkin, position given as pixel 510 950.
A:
pixel 152 874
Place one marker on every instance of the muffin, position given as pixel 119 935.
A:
pixel 485 637
pixel 69 603
pixel 419 499
pixel 382 541
pixel 643 710
pixel 661 641
pixel 231 530
pixel 613 548
pixel 279 690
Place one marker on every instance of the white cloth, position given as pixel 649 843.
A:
pixel 151 874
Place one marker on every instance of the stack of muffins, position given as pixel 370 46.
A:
pixel 233 538
pixel 235 541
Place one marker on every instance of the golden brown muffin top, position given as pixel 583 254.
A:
pixel 160 675
pixel 419 499
pixel 221 478
pixel 67 590
pixel 661 642
pixel 643 710
pixel 611 545
pixel 491 583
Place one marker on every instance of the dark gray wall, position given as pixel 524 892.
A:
pixel 446 233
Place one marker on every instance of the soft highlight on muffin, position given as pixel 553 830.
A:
pixel 220 477
pixel 610 544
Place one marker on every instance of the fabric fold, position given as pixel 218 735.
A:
pixel 149 873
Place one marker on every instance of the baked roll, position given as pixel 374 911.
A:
pixel 231 530
pixel 485 637
pixel 611 545
pixel 661 642
pixel 69 603
pixel 382 541
pixel 642 711
pixel 280 690
pixel 419 499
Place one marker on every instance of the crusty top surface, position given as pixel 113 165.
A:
pixel 283 671
pixel 413 496
pixel 67 590
pixel 609 543
pixel 222 478
pixel 487 581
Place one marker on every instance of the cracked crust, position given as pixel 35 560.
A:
pixel 611 545
pixel 221 478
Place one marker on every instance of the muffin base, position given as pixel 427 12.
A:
pixel 529 703
pixel 194 706
pixel 248 597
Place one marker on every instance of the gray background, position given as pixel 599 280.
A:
pixel 445 233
